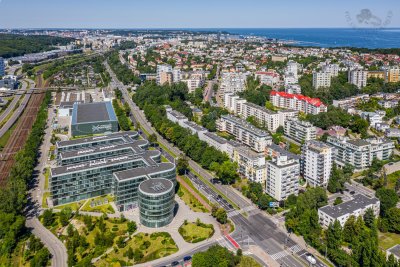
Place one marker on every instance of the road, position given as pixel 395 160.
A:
pixel 260 228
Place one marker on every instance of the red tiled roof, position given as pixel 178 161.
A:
pixel 313 101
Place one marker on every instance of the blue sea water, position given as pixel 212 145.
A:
pixel 332 37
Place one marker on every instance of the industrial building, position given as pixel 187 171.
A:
pixel 93 118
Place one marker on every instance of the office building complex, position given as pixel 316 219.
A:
pixel 93 118
pixel 156 202
pixel 360 152
pixel 342 212
pixel 2 67
pixel 244 132
pixel 321 79
pixel 301 103
pixel 268 118
pixel 317 162
pixel 358 77
pixel 282 177
pixel 112 164
pixel 300 130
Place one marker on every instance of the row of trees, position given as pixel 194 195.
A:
pixel 123 73
pixel 256 93
pixel 122 115
pixel 13 197
pixel 255 193
pixel 152 98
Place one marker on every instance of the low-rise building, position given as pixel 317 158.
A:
pixel 282 177
pixel 342 212
pixel 360 152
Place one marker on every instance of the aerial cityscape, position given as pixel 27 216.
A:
pixel 209 134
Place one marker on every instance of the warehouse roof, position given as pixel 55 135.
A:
pixel 93 112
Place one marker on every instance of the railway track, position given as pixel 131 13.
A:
pixel 19 135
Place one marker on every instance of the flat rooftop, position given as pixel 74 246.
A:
pixel 246 126
pixel 216 138
pixel 156 186
pixel 120 135
pixel 144 171
pixel 146 156
pixel 136 147
pixel 359 201
pixel 93 112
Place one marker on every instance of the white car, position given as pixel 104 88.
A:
pixel 310 258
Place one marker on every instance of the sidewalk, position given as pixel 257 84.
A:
pixel 194 193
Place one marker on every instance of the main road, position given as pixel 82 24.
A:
pixel 257 227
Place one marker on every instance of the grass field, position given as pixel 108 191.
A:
pixel 190 200
pixel 6 136
pixel 392 178
pixel 388 240
pixel 74 205
pixel 194 232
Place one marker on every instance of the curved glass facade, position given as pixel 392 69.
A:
pixel 157 209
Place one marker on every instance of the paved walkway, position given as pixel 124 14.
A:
pixel 183 213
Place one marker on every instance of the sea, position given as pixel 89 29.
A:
pixel 331 37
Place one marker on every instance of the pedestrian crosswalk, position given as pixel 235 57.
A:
pixel 279 255
pixel 237 212
pixel 295 249
pixel 222 241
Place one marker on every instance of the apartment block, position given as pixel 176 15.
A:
pixel 267 77
pixel 360 152
pixel 356 207
pixel 358 77
pixel 282 177
pixel 393 74
pixel 250 164
pixel 297 102
pixel 321 79
pixel 244 132
pixel 233 82
pixel 317 162
pixel 300 131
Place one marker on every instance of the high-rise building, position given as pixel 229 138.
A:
pixel 321 79
pixel 358 77
pixel 317 162
pixel 164 74
pixel 2 67
pixel 282 177
pixel 333 69
pixel 250 164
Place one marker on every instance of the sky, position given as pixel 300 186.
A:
pixel 192 14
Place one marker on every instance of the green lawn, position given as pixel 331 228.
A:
pixel 147 247
pixel 392 178
pixel 6 136
pixel 388 240
pixel 190 200
pixel 104 208
pixel 189 182
pixel 44 202
pixel 194 232
pixel 74 205
pixel 46 179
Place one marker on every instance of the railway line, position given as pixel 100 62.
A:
pixel 20 134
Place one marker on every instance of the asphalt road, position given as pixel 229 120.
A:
pixel 261 229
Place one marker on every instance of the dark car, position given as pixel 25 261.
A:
pixel 187 258
pixel 352 192
pixel 175 263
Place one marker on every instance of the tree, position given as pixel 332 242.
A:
pixel 369 217
pixel 65 215
pixel 280 130
pixel 226 172
pixel 41 258
pixel 182 165
pixel 132 227
pixel 338 201
pixel 393 218
pixel 153 138
pixel 220 214
pixel 263 201
pixel 129 253
pixel 47 218
pixel 388 198
pixel 214 256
